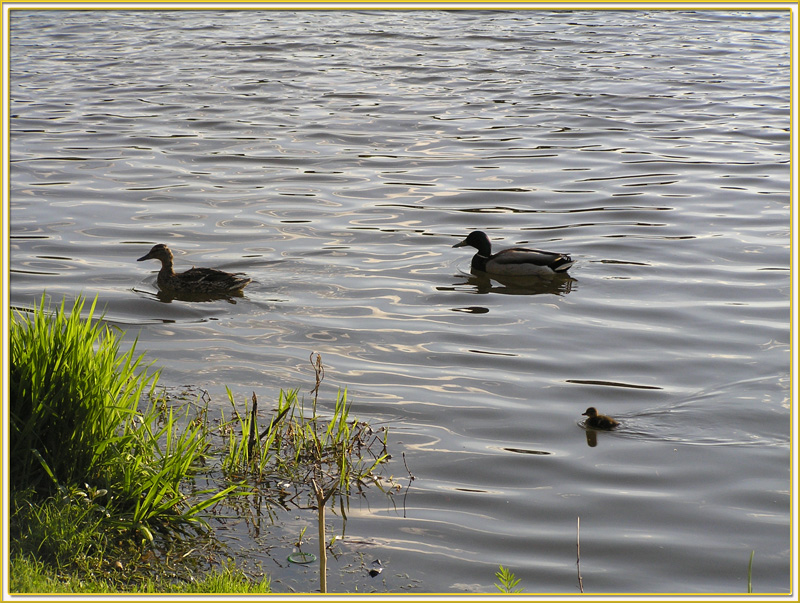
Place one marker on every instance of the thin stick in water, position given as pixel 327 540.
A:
pixel 580 580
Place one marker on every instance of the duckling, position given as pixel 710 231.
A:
pixel 517 261
pixel 596 421
pixel 195 280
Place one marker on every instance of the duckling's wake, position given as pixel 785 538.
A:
pixel 735 414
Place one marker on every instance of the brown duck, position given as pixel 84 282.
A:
pixel 596 421
pixel 195 281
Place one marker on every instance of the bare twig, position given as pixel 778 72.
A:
pixel 319 370
pixel 411 478
pixel 323 559
pixel 580 579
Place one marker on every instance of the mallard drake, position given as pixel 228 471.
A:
pixel 596 421
pixel 517 261
pixel 195 280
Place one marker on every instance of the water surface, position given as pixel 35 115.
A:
pixel 336 157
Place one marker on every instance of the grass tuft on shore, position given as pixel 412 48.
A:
pixel 29 575
pixel 96 465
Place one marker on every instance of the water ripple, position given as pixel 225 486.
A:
pixel 335 157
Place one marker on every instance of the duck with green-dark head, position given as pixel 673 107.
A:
pixel 516 261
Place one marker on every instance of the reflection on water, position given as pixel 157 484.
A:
pixel 557 284
pixel 331 155
pixel 523 451
pixel 168 296
pixel 611 383
pixel 591 437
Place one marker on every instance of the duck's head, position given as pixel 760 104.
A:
pixel 590 412
pixel 158 252
pixel 478 240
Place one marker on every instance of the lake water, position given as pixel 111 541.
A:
pixel 336 156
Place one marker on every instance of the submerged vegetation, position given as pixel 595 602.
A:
pixel 104 471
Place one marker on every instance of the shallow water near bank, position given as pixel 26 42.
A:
pixel 336 156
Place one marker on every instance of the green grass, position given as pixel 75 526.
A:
pixel 103 495
pixel 76 425
pixel 98 467
pixel 70 389
pixel 31 576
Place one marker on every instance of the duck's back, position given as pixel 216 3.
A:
pixel 520 260
pixel 206 279
pixel 602 422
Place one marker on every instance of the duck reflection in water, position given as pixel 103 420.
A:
pixel 168 296
pixel 596 422
pixel 559 284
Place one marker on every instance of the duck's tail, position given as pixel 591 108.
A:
pixel 562 263
pixel 238 284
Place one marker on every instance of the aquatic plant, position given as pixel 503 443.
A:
pixel 321 458
pixel 507 581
